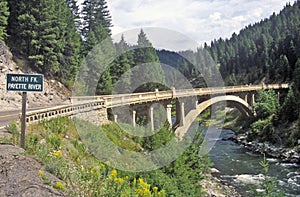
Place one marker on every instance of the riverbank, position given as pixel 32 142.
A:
pixel 215 187
pixel 290 155
pixel 242 168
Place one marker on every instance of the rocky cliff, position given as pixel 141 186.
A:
pixel 54 92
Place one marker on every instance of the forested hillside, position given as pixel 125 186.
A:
pixel 52 37
pixel 270 48
pixel 267 52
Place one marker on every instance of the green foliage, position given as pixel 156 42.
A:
pixel 81 172
pixel 266 50
pixel 290 108
pixel 266 104
pixel 268 185
pixel 158 140
pixel 44 32
pixel 14 130
pixel 119 137
pixel 266 109
pixel 84 175
pixel 4 13
pixel 96 22
pixel 58 125
pixel 152 74
pixel 189 169
pixel 294 135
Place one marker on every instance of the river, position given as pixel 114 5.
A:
pixel 240 167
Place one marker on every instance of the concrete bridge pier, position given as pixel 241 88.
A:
pixel 180 114
pixel 151 116
pixel 252 99
pixel 115 118
pixel 246 98
pixel 133 118
pixel 169 114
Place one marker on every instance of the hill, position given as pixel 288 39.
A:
pixel 267 51
pixel 54 92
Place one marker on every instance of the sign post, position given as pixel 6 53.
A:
pixel 23 119
pixel 24 83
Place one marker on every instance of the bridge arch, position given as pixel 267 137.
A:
pixel 239 103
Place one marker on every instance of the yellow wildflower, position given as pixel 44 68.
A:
pixel 143 184
pixel 41 173
pixel 57 154
pixel 119 180
pixel 126 177
pixel 161 193
pixel 139 191
pixel 155 188
pixel 114 173
pixel 78 160
pixel 147 191
pixel 59 185
pixel 102 165
pixel 95 171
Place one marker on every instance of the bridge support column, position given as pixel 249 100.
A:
pixel 180 114
pixel 169 114
pixel 133 118
pixel 246 98
pixel 253 99
pixel 115 118
pixel 278 96
pixel 151 118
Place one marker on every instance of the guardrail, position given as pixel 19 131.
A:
pixel 64 110
pixel 88 103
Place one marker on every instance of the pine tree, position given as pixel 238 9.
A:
pixel 120 68
pixel 105 86
pixel 153 75
pixel 72 4
pixel 4 13
pixel 45 33
pixel 70 58
pixel 96 23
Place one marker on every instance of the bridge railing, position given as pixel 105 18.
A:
pixel 64 110
pixel 117 100
pixel 130 99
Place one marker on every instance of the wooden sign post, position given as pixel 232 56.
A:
pixel 24 83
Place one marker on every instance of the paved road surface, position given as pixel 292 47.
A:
pixel 7 116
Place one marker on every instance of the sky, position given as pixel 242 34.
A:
pixel 198 20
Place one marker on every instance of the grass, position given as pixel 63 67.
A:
pixel 58 146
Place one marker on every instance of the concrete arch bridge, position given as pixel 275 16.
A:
pixel 186 103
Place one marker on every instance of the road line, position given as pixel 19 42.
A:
pixel 8 115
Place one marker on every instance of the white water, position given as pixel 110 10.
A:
pixel 240 168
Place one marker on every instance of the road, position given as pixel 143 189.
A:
pixel 7 116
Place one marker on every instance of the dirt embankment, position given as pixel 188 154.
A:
pixel 54 92
pixel 20 177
